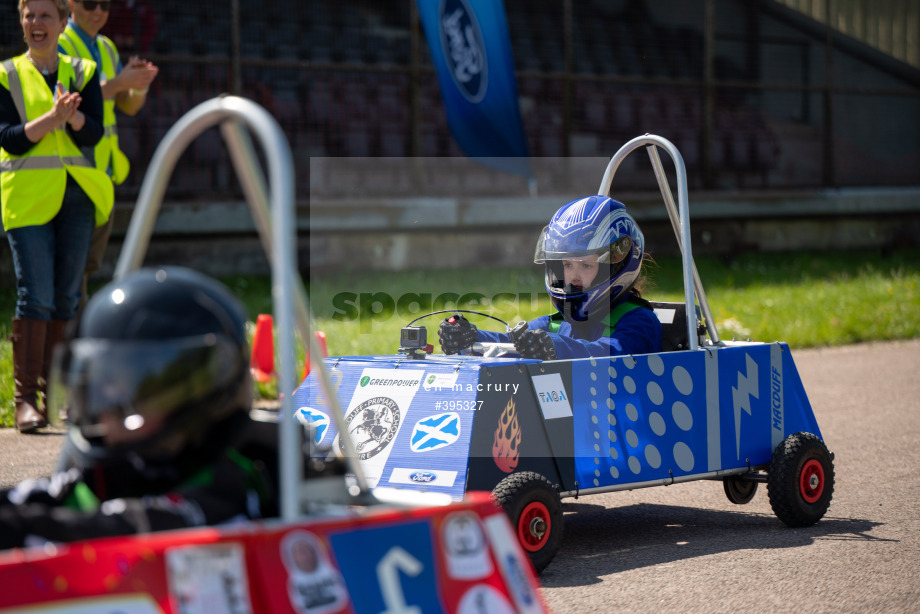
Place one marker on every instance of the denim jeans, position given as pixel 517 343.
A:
pixel 49 259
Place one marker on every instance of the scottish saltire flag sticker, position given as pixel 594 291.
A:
pixel 315 418
pixel 434 432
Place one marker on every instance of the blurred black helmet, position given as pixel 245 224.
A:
pixel 155 362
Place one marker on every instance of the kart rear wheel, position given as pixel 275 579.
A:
pixel 533 505
pixel 739 491
pixel 800 480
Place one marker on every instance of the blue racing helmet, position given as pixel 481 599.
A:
pixel 594 229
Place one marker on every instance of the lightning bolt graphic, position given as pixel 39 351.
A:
pixel 741 398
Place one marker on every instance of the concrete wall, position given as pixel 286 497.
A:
pixel 500 232
pixel 396 234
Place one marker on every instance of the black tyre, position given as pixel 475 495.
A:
pixel 533 505
pixel 739 491
pixel 800 480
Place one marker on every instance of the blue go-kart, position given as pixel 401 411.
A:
pixel 535 432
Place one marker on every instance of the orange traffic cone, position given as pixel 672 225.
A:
pixel 262 362
pixel 321 339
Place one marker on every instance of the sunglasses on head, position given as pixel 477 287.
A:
pixel 90 5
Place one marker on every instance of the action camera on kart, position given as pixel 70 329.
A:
pixel 413 340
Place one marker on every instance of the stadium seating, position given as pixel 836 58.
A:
pixel 336 77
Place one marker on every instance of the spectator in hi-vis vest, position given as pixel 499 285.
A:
pixel 123 86
pixel 52 195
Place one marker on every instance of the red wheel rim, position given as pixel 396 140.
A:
pixel 811 481
pixel 534 526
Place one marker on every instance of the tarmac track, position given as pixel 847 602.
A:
pixel 686 548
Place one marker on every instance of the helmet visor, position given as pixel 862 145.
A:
pixel 556 257
pixel 120 390
pixel 551 248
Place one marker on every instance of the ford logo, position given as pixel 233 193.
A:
pixel 464 48
pixel 423 477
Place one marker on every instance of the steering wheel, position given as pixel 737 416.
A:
pixel 488 348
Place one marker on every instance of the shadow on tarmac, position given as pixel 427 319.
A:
pixel 599 541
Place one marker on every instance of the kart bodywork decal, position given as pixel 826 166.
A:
pixel 376 413
pixel 422 477
pixel 317 420
pixel 465 548
pixel 657 416
pixel 713 432
pixel 552 396
pixel 435 443
pixel 429 449
pixel 314 584
pixel 506 441
pixel 435 431
pixel 509 432
pixel 402 560
pixel 512 564
pixel 202 577
pixel 777 406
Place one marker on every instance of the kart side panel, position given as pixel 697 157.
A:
pixel 509 434
pixel 430 453
pixel 658 416
pixel 411 421
pixel 625 431
pixel 435 559
pixel 552 387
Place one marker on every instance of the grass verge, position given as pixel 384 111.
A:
pixel 806 300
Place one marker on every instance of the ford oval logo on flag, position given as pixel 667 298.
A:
pixel 423 477
pixel 464 48
pixel 435 432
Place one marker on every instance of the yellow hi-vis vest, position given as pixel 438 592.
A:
pixel 32 185
pixel 107 150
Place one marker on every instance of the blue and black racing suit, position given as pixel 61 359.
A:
pixel 631 327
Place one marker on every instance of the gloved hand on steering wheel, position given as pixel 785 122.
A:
pixel 456 333
pixel 535 344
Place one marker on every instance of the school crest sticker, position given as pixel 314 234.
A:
pixel 375 415
pixel 372 425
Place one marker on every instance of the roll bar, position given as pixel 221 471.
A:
pixel 680 222
pixel 276 227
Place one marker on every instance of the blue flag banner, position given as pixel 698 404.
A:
pixel 471 50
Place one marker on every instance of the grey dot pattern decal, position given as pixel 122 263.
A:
pixel 641 422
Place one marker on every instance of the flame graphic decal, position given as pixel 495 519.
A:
pixel 505 446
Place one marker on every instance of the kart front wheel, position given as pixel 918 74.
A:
pixel 739 491
pixel 533 505
pixel 800 480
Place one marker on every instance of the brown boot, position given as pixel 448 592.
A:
pixel 54 336
pixel 28 339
